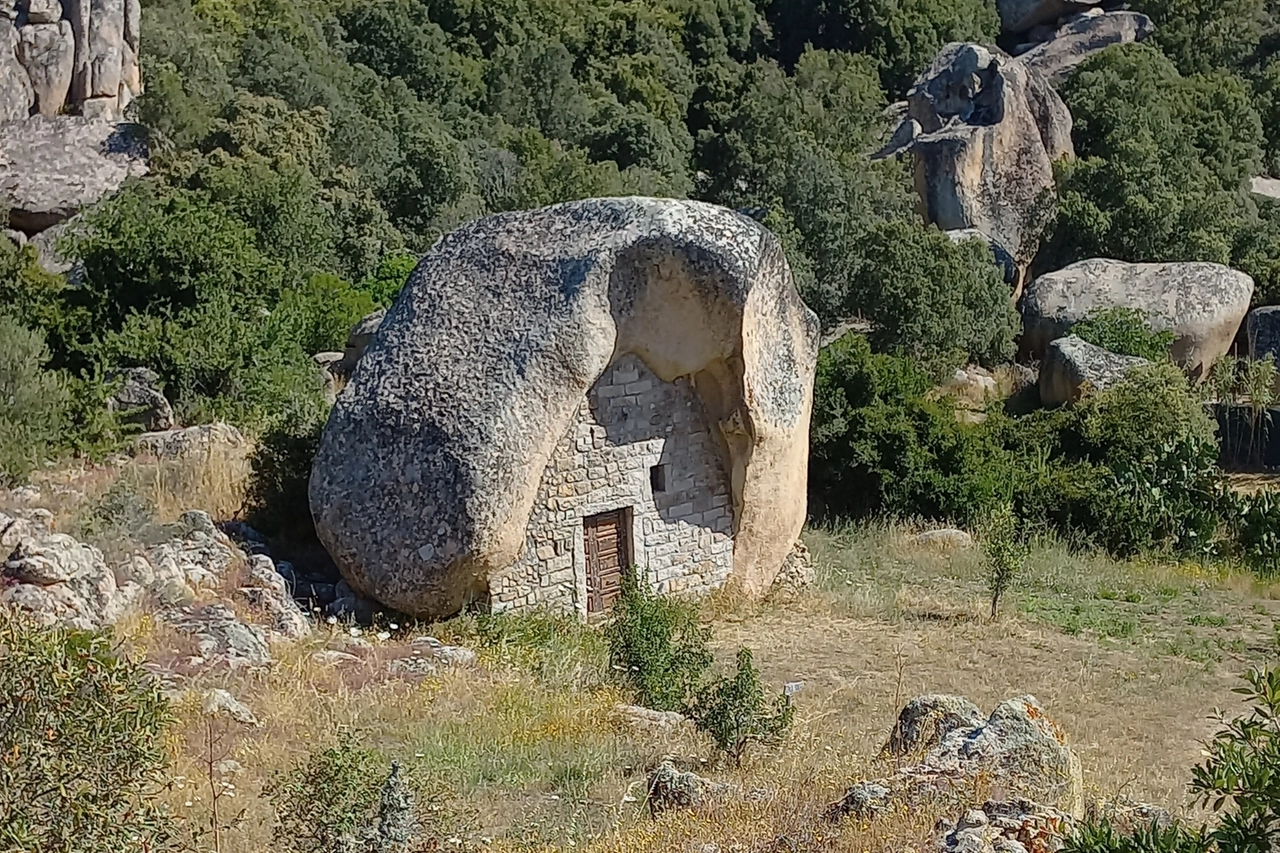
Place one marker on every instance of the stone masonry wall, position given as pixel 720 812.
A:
pixel 681 537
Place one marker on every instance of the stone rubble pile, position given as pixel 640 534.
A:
pixel 58 580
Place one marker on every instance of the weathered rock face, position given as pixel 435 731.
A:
pixel 47 52
pixel 140 396
pixel 1017 749
pixel 990 130
pixel 16 94
pixel 1264 332
pixel 1072 364
pixel 192 441
pixel 428 470
pixel 52 167
pixel 1202 304
pixel 81 55
pixel 1018 16
pixel 1267 188
pixel 1083 36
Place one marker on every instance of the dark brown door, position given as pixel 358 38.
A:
pixel 608 540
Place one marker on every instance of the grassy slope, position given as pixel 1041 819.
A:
pixel 526 751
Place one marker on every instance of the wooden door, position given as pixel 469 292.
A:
pixel 608 541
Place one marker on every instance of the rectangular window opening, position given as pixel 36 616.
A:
pixel 658 478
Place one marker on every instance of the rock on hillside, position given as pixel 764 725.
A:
pixel 1017 749
pixel 1081 37
pixel 1203 304
pixel 50 168
pixel 984 131
pixel 1072 364
pixel 429 467
pixel 77 56
pixel 1019 16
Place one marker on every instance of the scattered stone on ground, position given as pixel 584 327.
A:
pixel 926 720
pixel 221 637
pixel 1073 365
pixel 1017 748
pixel 945 539
pixel 1203 304
pixel 189 442
pixel 671 788
pixel 449 655
pixel 797 573
pixel 218 702
pixel 643 718
pixel 1009 826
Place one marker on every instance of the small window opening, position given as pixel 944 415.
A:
pixel 658 478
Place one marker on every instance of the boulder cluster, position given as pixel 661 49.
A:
pixel 983 128
pixel 69 56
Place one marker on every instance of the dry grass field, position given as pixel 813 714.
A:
pixel 526 751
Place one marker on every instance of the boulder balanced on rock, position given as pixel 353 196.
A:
pixel 1203 304
pixel 560 394
pixel 984 131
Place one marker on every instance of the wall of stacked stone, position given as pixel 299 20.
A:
pixel 77 56
pixel 682 537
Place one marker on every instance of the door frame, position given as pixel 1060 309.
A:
pixel 626 556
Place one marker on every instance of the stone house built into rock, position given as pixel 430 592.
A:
pixel 561 394
pixel 637 480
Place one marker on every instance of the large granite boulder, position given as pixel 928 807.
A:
pixel 1203 304
pixel 428 469
pixel 1266 188
pixel 1083 36
pixel 984 131
pixel 51 167
pixel 1019 16
pixel 1072 364
pixel 17 97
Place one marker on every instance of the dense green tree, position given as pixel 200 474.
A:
pixel 901 36
pixel 1202 36
pixel 1163 162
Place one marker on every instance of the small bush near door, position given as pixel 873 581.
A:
pixel 657 646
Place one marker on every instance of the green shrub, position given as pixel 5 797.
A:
pixel 278 503
pixel 82 751
pixel 931 299
pixel 1102 837
pixel 34 402
pixel 1004 553
pixel 1124 331
pixel 878 445
pixel 735 713
pixel 657 646
pixel 1238 779
pixel 342 800
pixel 384 285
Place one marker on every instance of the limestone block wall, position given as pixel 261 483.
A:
pixel 682 537
pixel 69 56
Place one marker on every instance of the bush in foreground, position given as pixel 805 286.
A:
pixel 657 646
pixel 33 402
pixel 82 749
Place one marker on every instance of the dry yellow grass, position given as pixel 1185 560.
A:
pixel 1131 659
